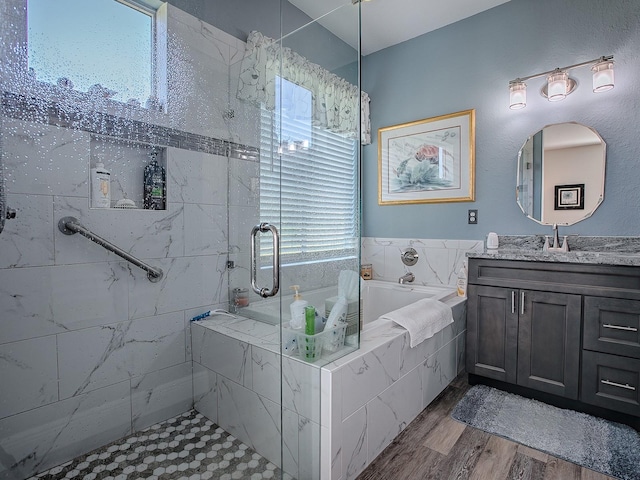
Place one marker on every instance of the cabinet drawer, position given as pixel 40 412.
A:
pixel 611 382
pixel 612 325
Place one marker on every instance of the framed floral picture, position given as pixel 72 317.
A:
pixel 428 161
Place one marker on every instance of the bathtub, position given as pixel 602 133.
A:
pixel 377 298
pixel 356 404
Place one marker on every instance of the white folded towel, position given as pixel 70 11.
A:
pixel 423 319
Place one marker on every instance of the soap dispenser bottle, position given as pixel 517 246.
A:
pixel 100 185
pixel 297 309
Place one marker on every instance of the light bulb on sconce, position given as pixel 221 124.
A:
pixel 559 84
pixel 603 75
pixel 517 94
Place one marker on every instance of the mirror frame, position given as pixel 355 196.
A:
pixel 519 172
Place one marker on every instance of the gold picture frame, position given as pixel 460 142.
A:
pixel 428 161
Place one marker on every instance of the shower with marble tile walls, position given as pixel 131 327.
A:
pixel 95 351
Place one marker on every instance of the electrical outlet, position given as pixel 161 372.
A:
pixel 473 217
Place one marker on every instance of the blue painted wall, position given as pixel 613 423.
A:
pixel 468 65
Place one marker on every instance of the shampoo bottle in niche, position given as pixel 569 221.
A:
pixel 462 281
pixel 297 309
pixel 100 186
pixel 155 195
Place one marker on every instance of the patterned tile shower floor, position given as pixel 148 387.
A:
pixel 188 446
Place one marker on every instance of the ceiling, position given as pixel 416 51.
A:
pixel 389 22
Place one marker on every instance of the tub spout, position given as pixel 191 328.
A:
pixel 407 278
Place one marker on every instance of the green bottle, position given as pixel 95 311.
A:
pixel 309 320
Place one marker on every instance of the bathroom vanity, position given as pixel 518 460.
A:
pixel 563 328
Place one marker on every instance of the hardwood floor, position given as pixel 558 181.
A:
pixel 434 446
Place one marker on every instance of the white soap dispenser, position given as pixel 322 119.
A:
pixel 297 309
pixel 100 185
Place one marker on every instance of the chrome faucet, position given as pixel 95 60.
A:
pixel 556 242
pixel 407 278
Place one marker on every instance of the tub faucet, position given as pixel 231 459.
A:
pixel 407 278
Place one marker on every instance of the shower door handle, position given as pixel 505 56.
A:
pixel 265 292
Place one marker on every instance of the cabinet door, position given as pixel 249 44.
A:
pixel 549 342
pixel 492 332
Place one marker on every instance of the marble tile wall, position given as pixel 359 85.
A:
pixel 375 395
pixel 439 261
pixel 90 350
pixel 237 384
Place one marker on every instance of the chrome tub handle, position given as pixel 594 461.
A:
pixel 265 292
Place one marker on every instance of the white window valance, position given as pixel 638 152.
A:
pixel 335 101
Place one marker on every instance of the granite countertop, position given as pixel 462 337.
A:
pixel 587 250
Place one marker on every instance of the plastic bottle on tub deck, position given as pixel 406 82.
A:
pixel 297 309
pixel 462 281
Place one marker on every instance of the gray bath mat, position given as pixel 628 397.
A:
pixel 604 446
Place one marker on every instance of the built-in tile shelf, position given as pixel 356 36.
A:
pixel 126 162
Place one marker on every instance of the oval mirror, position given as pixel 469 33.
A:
pixel 561 174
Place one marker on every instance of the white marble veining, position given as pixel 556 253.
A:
pixel 199 280
pixel 38 439
pixel 354 443
pixel 369 375
pixel 439 261
pixel 391 411
pixel 205 229
pixel 130 230
pixel 84 324
pixel 224 355
pixel 38 301
pixel 29 375
pixel 205 391
pixel 27 241
pixel 252 418
pixel 362 400
pixel 440 370
pixel 43 159
pixel 95 357
pixel 161 394
pixel 196 177
pixel 308 449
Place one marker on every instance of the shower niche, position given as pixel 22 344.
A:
pixel 127 175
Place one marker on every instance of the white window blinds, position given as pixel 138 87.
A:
pixel 308 186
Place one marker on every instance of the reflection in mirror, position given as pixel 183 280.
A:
pixel 561 174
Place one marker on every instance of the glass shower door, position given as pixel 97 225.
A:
pixel 305 184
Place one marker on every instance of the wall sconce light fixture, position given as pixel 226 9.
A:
pixel 559 84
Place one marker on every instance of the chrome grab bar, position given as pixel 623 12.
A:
pixel 70 225
pixel 265 292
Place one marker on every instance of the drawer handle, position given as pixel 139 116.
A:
pixel 620 327
pixel 513 301
pixel 614 384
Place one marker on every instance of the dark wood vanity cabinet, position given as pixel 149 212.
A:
pixel 527 337
pixel 569 330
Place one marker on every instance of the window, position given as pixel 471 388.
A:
pixel 308 182
pixel 102 42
